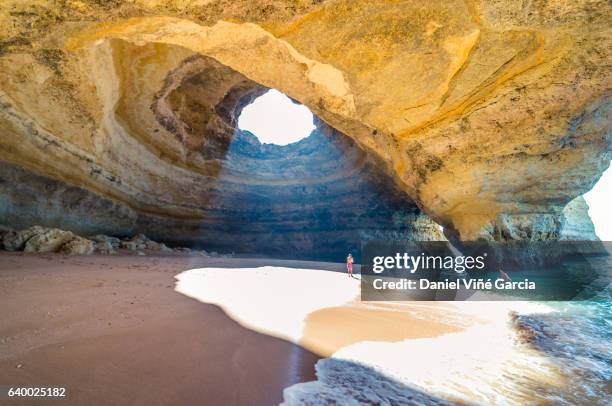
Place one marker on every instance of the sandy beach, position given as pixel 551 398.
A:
pixel 112 328
pixel 117 328
pixel 192 330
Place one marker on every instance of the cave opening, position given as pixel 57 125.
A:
pixel 314 198
pixel 274 118
pixel 214 178
pixel 277 180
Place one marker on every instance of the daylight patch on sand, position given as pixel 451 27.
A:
pixel 382 353
pixel 270 300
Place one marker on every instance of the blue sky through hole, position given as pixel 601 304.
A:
pixel 275 119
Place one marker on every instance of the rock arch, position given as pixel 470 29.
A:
pixel 491 118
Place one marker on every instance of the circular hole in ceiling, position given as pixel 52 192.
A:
pixel 276 119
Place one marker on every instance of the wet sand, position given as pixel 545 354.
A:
pixel 328 330
pixel 114 330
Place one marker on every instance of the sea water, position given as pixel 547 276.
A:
pixel 576 336
pixel 510 353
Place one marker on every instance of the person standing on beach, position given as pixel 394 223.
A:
pixel 504 276
pixel 349 265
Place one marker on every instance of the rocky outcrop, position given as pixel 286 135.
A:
pixel 576 224
pixel 105 244
pixel 141 242
pixel 317 198
pixel 489 116
pixel 43 239
pixel 78 246
pixel 16 240
pixel 48 240
pixel 28 199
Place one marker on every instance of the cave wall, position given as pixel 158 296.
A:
pixel 28 199
pixel 490 115
pixel 318 198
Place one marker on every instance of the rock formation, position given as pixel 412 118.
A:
pixel 316 198
pixel 42 239
pixel 576 224
pixel 120 117
pixel 78 246
pixel 48 240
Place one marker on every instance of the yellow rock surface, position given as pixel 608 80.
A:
pixel 491 115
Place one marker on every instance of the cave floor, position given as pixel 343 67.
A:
pixel 113 329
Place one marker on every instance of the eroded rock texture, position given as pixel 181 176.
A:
pixel 491 116
pixel 317 198
pixel 576 225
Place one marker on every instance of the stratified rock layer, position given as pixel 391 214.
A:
pixel 491 116
pixel 317 198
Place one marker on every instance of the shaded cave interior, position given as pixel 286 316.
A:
pixel 317 198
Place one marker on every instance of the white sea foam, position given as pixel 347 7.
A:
pixel 343 382
pixel 483 364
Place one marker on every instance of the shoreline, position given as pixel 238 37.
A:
pixel 186 329
pixel 116 325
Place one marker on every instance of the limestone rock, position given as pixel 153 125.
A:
pixel 165 248
pixel 131 245
pixel 424 229
pixel 42 239
pixel 48 240
pixel 416 228
pixel 16 240
pixel 156 246
pixel 101 239
pixel 137 242
pixel 311 198
pixel 105 248
pixel 104 244
pixel 78 246
pixel 490 116
pixel 142 242
pixel 576 222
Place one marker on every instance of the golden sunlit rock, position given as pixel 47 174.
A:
pixel 490 116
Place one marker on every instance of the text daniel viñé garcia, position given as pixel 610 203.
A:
pixel 459 264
